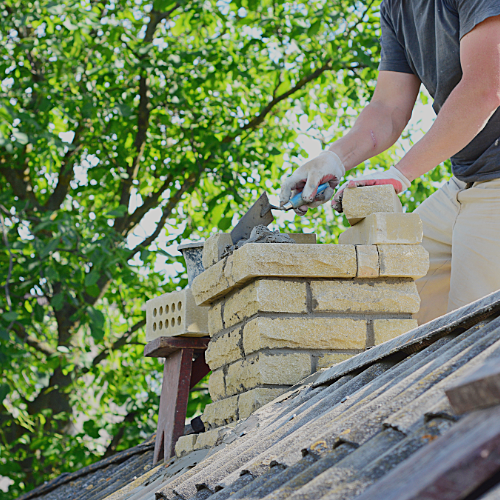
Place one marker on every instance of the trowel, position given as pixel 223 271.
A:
pixel 260 213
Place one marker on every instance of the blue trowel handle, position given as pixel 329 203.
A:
pixel 297 200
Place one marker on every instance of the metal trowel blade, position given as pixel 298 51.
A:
pixel 259 213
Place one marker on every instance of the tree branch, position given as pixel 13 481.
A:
pixel 116 344
pixel 66 173
pixel 113 445
pixel 167 210
pixel 256 121
pixel 11 262
pixel 33 342
pixel 143 114
pixel 150 202
pixel 19 182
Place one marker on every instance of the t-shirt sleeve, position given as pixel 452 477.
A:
pixel 393 55
pixel 473 12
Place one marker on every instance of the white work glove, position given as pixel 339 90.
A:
pixel 392 176
pixel 326 167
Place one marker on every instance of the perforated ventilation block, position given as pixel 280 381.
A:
pixel 175 314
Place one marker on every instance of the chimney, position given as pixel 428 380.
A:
pixel 279 312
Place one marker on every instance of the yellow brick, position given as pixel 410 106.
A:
pixel 220 413
pixel 360 202
pixel 290 261
pixel 283 260
pixel 387 329
pixel 214 282
pixel 404 261
pixel 216 386
pixel 327 360
pixel 267 369
pixel 252 400
pixel 368 266
pixel 265 296
pixel 185 444
pixel 385 229
pixel 224 350
pixel 213 248
pixel 363 296
pixel 304 333
pixel 211 438
pixel 215 318
pixel 303 238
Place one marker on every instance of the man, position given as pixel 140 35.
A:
pixel 453 48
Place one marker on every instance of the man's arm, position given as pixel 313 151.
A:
pixel 377 128
pixel 382 122
pixel 469 106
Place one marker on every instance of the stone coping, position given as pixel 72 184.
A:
pixel 274 260
pixel 313 261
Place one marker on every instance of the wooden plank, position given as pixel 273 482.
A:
pixel 418 338
pixel 449 468
pixel 199 370
pixel 480 389
pixel 173 403
pixel 165 346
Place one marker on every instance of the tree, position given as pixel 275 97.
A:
pixel 116 115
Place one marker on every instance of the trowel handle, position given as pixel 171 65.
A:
pixel 297 200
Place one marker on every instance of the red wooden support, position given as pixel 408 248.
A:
pixel 180 374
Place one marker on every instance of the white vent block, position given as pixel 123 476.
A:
pixel 175 314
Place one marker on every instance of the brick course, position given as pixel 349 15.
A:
pixel 265 296
pixel 304 333
pixel 363 296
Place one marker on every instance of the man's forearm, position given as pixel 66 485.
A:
pixel 462 117
pixel 377 128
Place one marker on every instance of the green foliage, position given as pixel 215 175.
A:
pixel 126 127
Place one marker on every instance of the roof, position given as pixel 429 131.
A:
pixel 98 480
pixel 377 426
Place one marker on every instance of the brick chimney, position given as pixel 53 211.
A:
pixel 279 312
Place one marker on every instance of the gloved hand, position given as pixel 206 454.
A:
pixel 327 167
pixel 392 176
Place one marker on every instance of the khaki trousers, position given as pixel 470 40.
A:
pixel 462 235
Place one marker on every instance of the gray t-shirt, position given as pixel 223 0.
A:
pixel 423 37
